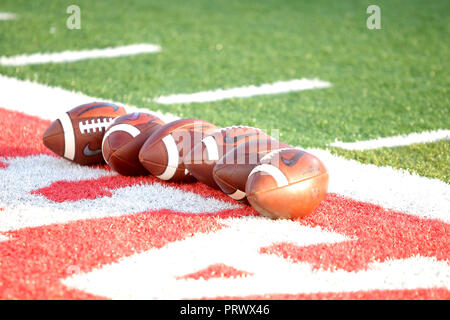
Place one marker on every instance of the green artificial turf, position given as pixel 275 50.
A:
pixel 430 160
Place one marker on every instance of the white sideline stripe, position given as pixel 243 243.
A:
pixel 72 56
pixel 48 102
pixel 395 141
pixel 245 92
pixel 172 158
pixel 4 16
pixel 69 136
pixel 388 187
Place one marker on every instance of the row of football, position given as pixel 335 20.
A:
pixel 244 162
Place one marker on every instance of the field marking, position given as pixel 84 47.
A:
pixel 23 209
pixel 154 274
pixel 245 92
pixel 388 187
pixel 5 16
pixel 72 56
pixel 395 141
pixel 236 248
pixel 48 102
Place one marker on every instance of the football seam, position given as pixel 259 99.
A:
pixel 288 185
pixel 124 145
pixel 225 183
pixel 130 141
pixel 207 124
pixel 159 164
pixel 124 160
pixel 53 135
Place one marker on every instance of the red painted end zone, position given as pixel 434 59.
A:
pixel 21 134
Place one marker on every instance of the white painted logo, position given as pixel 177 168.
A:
pixel 74 20
pixel 374 20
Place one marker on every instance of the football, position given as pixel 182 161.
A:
pixel 232 170
pixel 162 154
pixel 287 183
pixel 123 141
pixel 203 157
pixel 77 134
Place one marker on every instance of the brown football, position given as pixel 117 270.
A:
pixel 77 134
pixel 287 183
pixel 203 157
pixel 123 141
pixel 232 170
pixel 162 154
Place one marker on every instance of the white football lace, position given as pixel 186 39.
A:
pixel 93 126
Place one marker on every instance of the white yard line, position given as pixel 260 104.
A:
pixel 4 16
pixel 48 102
pixel 396 141
pixel 71 56
pixel 387 187
pixel 245 92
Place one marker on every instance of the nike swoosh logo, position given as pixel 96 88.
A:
pixel 90 153
pixel 99 106
pixel 293 160
pixel 231 140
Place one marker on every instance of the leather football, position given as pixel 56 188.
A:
pixel 123 141
pixel 232 170
pixel 287 183
pixel 201 160
pixel 163 153
pixel 77 134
